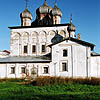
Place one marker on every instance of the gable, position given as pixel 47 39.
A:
pixel 74 41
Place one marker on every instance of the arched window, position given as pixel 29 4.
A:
pixel 65 53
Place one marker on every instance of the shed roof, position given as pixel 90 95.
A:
pixel 25 59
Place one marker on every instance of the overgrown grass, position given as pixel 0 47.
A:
pixel 51 88
pixel 42 81
pixel 12 80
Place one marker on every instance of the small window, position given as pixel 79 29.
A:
pixel 33 48
pixel 12 70
pixel 23 70
pixel 64 67
pixel 25 49
pixel 43 48
pixel 65 53
pixel 45 70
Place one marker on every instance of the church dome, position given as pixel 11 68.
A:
pixel 26 14
pixel 56 11
pixel 45 8
pixel 71 26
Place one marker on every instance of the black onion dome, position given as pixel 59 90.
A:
pixel 26 14
pixel 45 8
pixel 56 11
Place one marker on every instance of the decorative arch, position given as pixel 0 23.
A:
pixel 34 34
pixel 25 37
pixel 42 33
pixel 16 36
pixel 42 36
pixel 52 33
pixel 25 34
pixel 62 33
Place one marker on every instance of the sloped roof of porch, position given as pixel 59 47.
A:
pixel 25 59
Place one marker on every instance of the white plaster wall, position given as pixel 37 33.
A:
pixel 57 59
pixel 80 55
pixel 95 66
pixel 5 69
pixel 17 42
pixel 78 63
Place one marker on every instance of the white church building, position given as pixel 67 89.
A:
pixel 45 47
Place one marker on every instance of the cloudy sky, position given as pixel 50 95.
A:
pixel 86 17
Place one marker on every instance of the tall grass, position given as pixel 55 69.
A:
pixel 11 80
pixel 47 80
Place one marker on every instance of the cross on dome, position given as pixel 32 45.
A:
pixel 26 3
pixel 71 18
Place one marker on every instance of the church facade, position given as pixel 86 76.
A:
pixel 45 47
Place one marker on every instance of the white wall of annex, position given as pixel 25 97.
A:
pixel 95 66
pixel 3 70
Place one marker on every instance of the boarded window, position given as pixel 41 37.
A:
pixel 25 49
pixel 65 53
pixel 23 70
pixel 33 48
pixel 45 70
pixel 43 48
pixel 12 70
pixel 64 66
